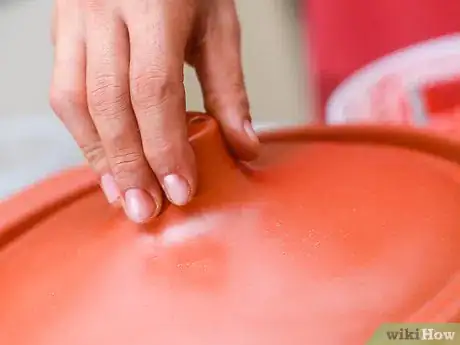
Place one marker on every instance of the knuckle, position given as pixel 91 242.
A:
pixel 118 138
pixel 62 100
pixel 153 89
pixel 126 164
pixel 94 154
pixel 108 98
pixel 156 153
pixel 56 101
pixel 233 96
pixel 94 5
pixel 243 103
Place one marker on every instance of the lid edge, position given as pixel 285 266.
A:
pixel 418 139
pixel 43 197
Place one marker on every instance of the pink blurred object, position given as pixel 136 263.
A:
pixel 345 35
pixel 417 86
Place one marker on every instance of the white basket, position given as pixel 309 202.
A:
pixel 386 90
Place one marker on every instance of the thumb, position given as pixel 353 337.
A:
pixel 219 69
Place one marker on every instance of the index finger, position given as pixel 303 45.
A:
pixel 158 40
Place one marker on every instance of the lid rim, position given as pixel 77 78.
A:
pixel 44 197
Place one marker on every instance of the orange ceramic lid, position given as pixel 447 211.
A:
pixel 332 232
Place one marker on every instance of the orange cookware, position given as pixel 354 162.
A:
pixel 329 234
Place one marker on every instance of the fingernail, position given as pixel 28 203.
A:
pixel 177 189
pixel 250 131
pixel 139 205
pixel 110 188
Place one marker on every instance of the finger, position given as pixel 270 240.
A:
pixel 54 19
pixel 110 108
pixel 219 69
pixel 158 40
pixel 68 97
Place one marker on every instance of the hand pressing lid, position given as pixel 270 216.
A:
pixel 330 233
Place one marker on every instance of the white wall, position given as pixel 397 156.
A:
pixel 272 61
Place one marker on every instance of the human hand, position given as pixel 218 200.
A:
pixel 118 87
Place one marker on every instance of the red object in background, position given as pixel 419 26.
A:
pixel 442 106
pixel 345 35
pixel 442 97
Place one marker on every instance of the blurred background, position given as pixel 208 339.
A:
pixel 365 66
pixel 34 144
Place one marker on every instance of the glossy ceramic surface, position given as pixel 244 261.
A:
pixel 332 232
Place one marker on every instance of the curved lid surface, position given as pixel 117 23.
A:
pixel 332 232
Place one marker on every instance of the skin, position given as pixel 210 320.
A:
pixel 118 87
